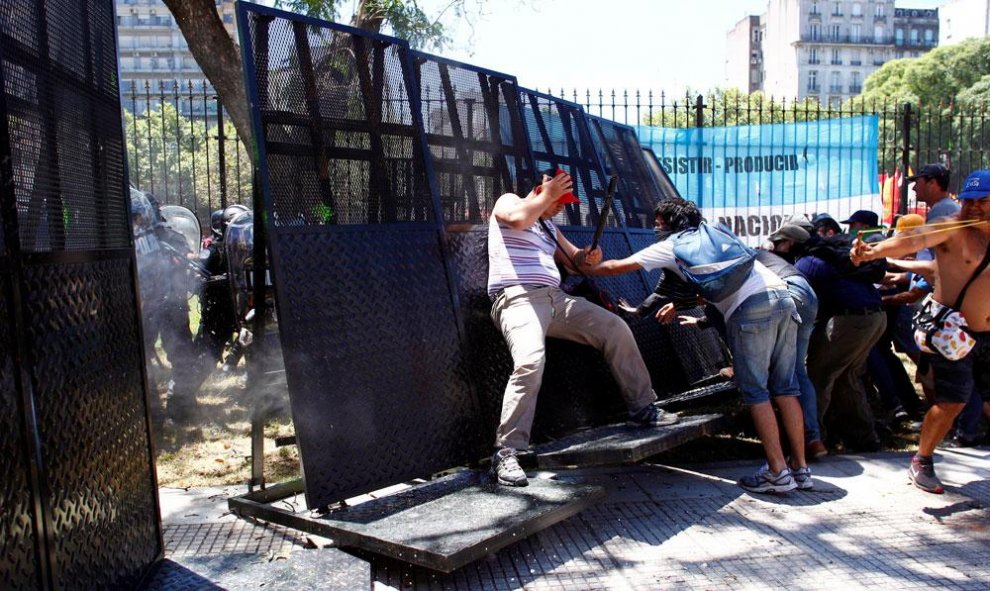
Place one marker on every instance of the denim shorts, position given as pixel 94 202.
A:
pixel 762 336
pixel 955 380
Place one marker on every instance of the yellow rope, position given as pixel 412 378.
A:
pixel 952 225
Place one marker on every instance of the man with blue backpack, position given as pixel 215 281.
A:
pixel 761 328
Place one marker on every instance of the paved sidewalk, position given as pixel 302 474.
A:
pixel 665 527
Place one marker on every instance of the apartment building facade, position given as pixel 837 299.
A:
pixel 825 49
pixel 154 55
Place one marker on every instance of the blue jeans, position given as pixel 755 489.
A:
pixel 806 303
pixel 762 336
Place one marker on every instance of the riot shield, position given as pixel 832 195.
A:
pixel 183 221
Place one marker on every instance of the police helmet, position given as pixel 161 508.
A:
pixel 143 214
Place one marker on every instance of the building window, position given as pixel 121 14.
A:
pixel 929 37
pixel 834 85
pixel 857 9
pixel 816 32
pixel 835 32
pixel 899 36
pixel 880 9
pixel 837 9
pixel 878 36
pixel 855 32
pixel 836 57
pixel 813 56
pixel 854 85
pixel 813 80
pixel 854 59
pixel 914 36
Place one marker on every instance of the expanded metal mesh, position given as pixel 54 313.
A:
pixel 478 148
pixel 63 118
pixel 561 139
pixel 339 131
pixel 622 155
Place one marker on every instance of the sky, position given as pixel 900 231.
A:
pixel 667 45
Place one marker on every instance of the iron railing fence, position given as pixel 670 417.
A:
pixel 911 134
pixel 183 149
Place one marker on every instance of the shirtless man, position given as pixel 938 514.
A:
pixel 958 253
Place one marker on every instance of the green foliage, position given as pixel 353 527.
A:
pixel 948 89
pixel 401 18
pixel 729 107
pixel 938 76
pixel 321 9
pixel 177 159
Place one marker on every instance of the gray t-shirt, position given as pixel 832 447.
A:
pixel 944 208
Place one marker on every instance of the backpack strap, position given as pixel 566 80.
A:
pixel 979 269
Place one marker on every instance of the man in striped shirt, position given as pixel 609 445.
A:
pixel 524 247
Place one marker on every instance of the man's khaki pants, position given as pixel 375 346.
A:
pixel 526 316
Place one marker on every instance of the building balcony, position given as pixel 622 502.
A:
pixel 814 88
pixel 835 89
pixel 814 61
pixel 836 62
pixel 855 63
pixel 846 40
pixel 855 88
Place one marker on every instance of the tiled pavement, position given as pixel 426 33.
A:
pixel 690 527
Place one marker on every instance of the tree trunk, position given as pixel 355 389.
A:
pixel 218 57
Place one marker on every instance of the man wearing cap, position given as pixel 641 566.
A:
pixel 825 225
pixel 528 306
pixel 863 219
pixel 931 186
pixel 787 241
pixel 958 255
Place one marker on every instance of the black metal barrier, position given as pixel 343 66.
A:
pixel 77 485
pixel 379 167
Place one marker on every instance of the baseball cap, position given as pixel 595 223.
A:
pixel 976 185
pixel 909 221
pixel 800 220
pixel 864 216
pixel 567 197
pixel 936 170
pixel 790 232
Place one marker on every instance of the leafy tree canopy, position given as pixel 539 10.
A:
pixel 942 75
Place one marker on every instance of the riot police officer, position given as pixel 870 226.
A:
pixel 217 318
pixel 166 282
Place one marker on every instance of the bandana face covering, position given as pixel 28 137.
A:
pixel 661 235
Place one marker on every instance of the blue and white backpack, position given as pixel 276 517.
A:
pixel 713 259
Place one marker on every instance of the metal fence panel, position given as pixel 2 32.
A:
pixel 368 326
pixel 71 334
